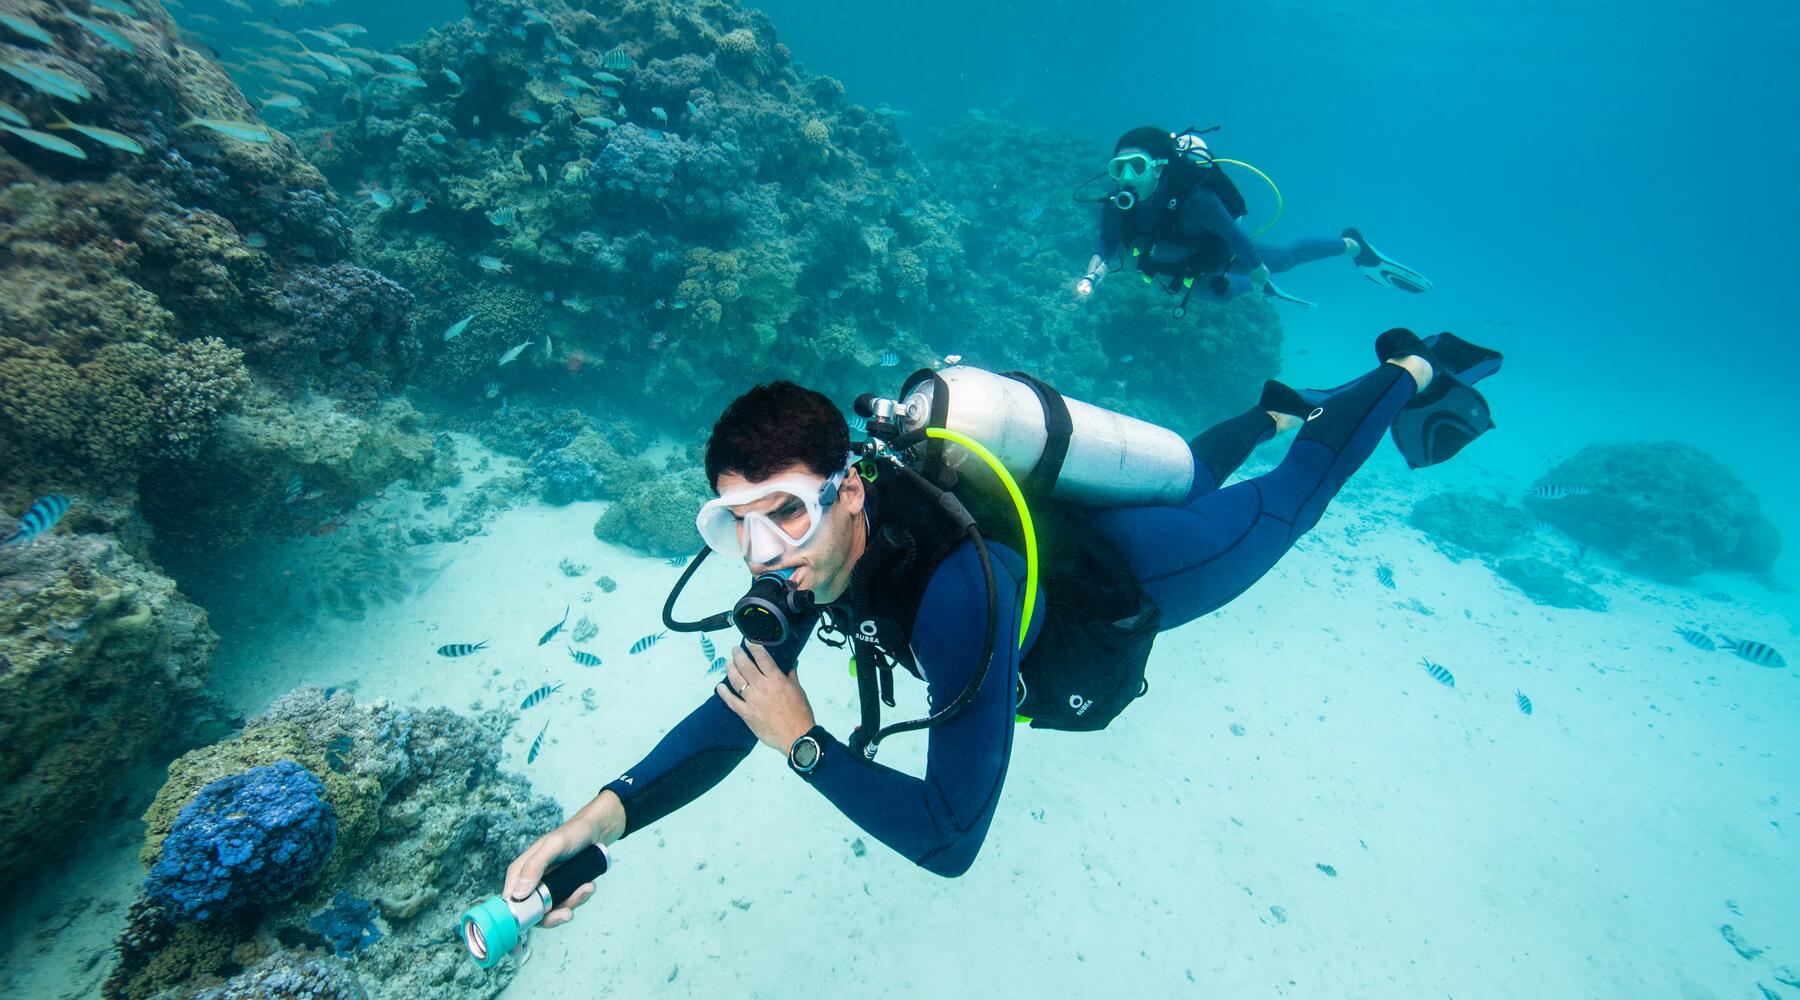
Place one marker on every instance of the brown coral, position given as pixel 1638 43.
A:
pixel 202 383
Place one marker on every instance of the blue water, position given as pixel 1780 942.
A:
pixel 1605 190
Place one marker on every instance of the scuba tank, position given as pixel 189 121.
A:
pixel 1056 447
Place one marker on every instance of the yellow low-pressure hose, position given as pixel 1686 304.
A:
pixel 1018 499
pixel 1279 203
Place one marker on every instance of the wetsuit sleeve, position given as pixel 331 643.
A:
pixel 697 754
pixel 940 820
pixel 1112 232
pixel 1204 212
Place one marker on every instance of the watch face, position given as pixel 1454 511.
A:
pixel 806 754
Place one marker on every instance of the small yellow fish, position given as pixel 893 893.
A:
pixel 45 80
pixel 27 27
pixel 104 136
pixel 281 102
pixel 46 140
pixel 104 33
pixel 242 131
pixel 327 60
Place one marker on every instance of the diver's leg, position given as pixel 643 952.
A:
pixel 1195 558
pixel 1221 448
pixel 1279 257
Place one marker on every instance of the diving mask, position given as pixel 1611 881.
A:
pixel 766 536
pixel 1129 168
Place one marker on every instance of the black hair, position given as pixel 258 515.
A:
pixel 1149 138
pixel 771 427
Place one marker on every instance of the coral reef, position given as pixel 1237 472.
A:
pixel 1666 510
pixel 656 516
pixel 348 923
pixel 449 823
pixel 252 838
pixel 1549 585
pixel 98 656
pixel 287 976
pixel 1462 522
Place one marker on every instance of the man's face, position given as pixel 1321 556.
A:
pixel 823 564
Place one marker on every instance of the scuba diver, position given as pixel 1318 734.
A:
pixel 1178 215
pixel 903 549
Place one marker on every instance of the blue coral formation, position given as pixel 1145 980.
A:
pixel 348 923
pixel 251 838
pixel 564 479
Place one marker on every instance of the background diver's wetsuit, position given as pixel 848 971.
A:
pixel 1192 558
pixel 1205 236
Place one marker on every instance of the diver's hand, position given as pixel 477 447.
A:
pixel 527 870
pixel 1096 273
pixel 769 701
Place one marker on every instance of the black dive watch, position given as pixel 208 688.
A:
pixel 804 755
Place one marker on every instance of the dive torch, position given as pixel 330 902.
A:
pixel 497 925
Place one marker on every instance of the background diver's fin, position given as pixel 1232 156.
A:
pixel 1272 291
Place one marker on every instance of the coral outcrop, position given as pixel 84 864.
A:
pixel 1462 522
pixel 247 839
pixel 1667 510
pixel 1548 585
pixel 98 652
pixel 426 824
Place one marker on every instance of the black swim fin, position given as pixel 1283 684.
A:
pixel 1450 413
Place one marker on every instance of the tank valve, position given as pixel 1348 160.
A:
pixel 885 415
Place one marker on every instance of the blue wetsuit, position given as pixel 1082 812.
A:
pixel 1203 236
pixel 1191 559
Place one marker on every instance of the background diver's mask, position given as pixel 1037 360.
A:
pixel 767 537
pixel 1131 171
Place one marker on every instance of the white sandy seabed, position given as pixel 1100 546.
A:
pixel 1297 809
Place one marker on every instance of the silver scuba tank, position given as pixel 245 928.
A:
pixel 1106 459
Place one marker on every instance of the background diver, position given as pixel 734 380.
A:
pixel 861 548
pixel 1177 215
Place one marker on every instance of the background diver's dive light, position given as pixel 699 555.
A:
pixel 496 926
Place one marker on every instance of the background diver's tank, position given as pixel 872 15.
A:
pixel 1111 460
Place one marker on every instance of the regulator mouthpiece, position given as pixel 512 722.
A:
pixel 767 613
pixel 496 926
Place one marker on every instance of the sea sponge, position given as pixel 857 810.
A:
pixel 1668 510
pixel 348 924
pixel 249 839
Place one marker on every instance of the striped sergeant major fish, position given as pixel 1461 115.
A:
pixel 583 657
pixel 1551 491
pixel 547 636
pixel 41 517
pixel 706 647
pixel 539 695
pixel 537 744
pixel 1696 639
pixel 455 649
pixel 645 643
pixel 1439 673
pixel 1755 652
